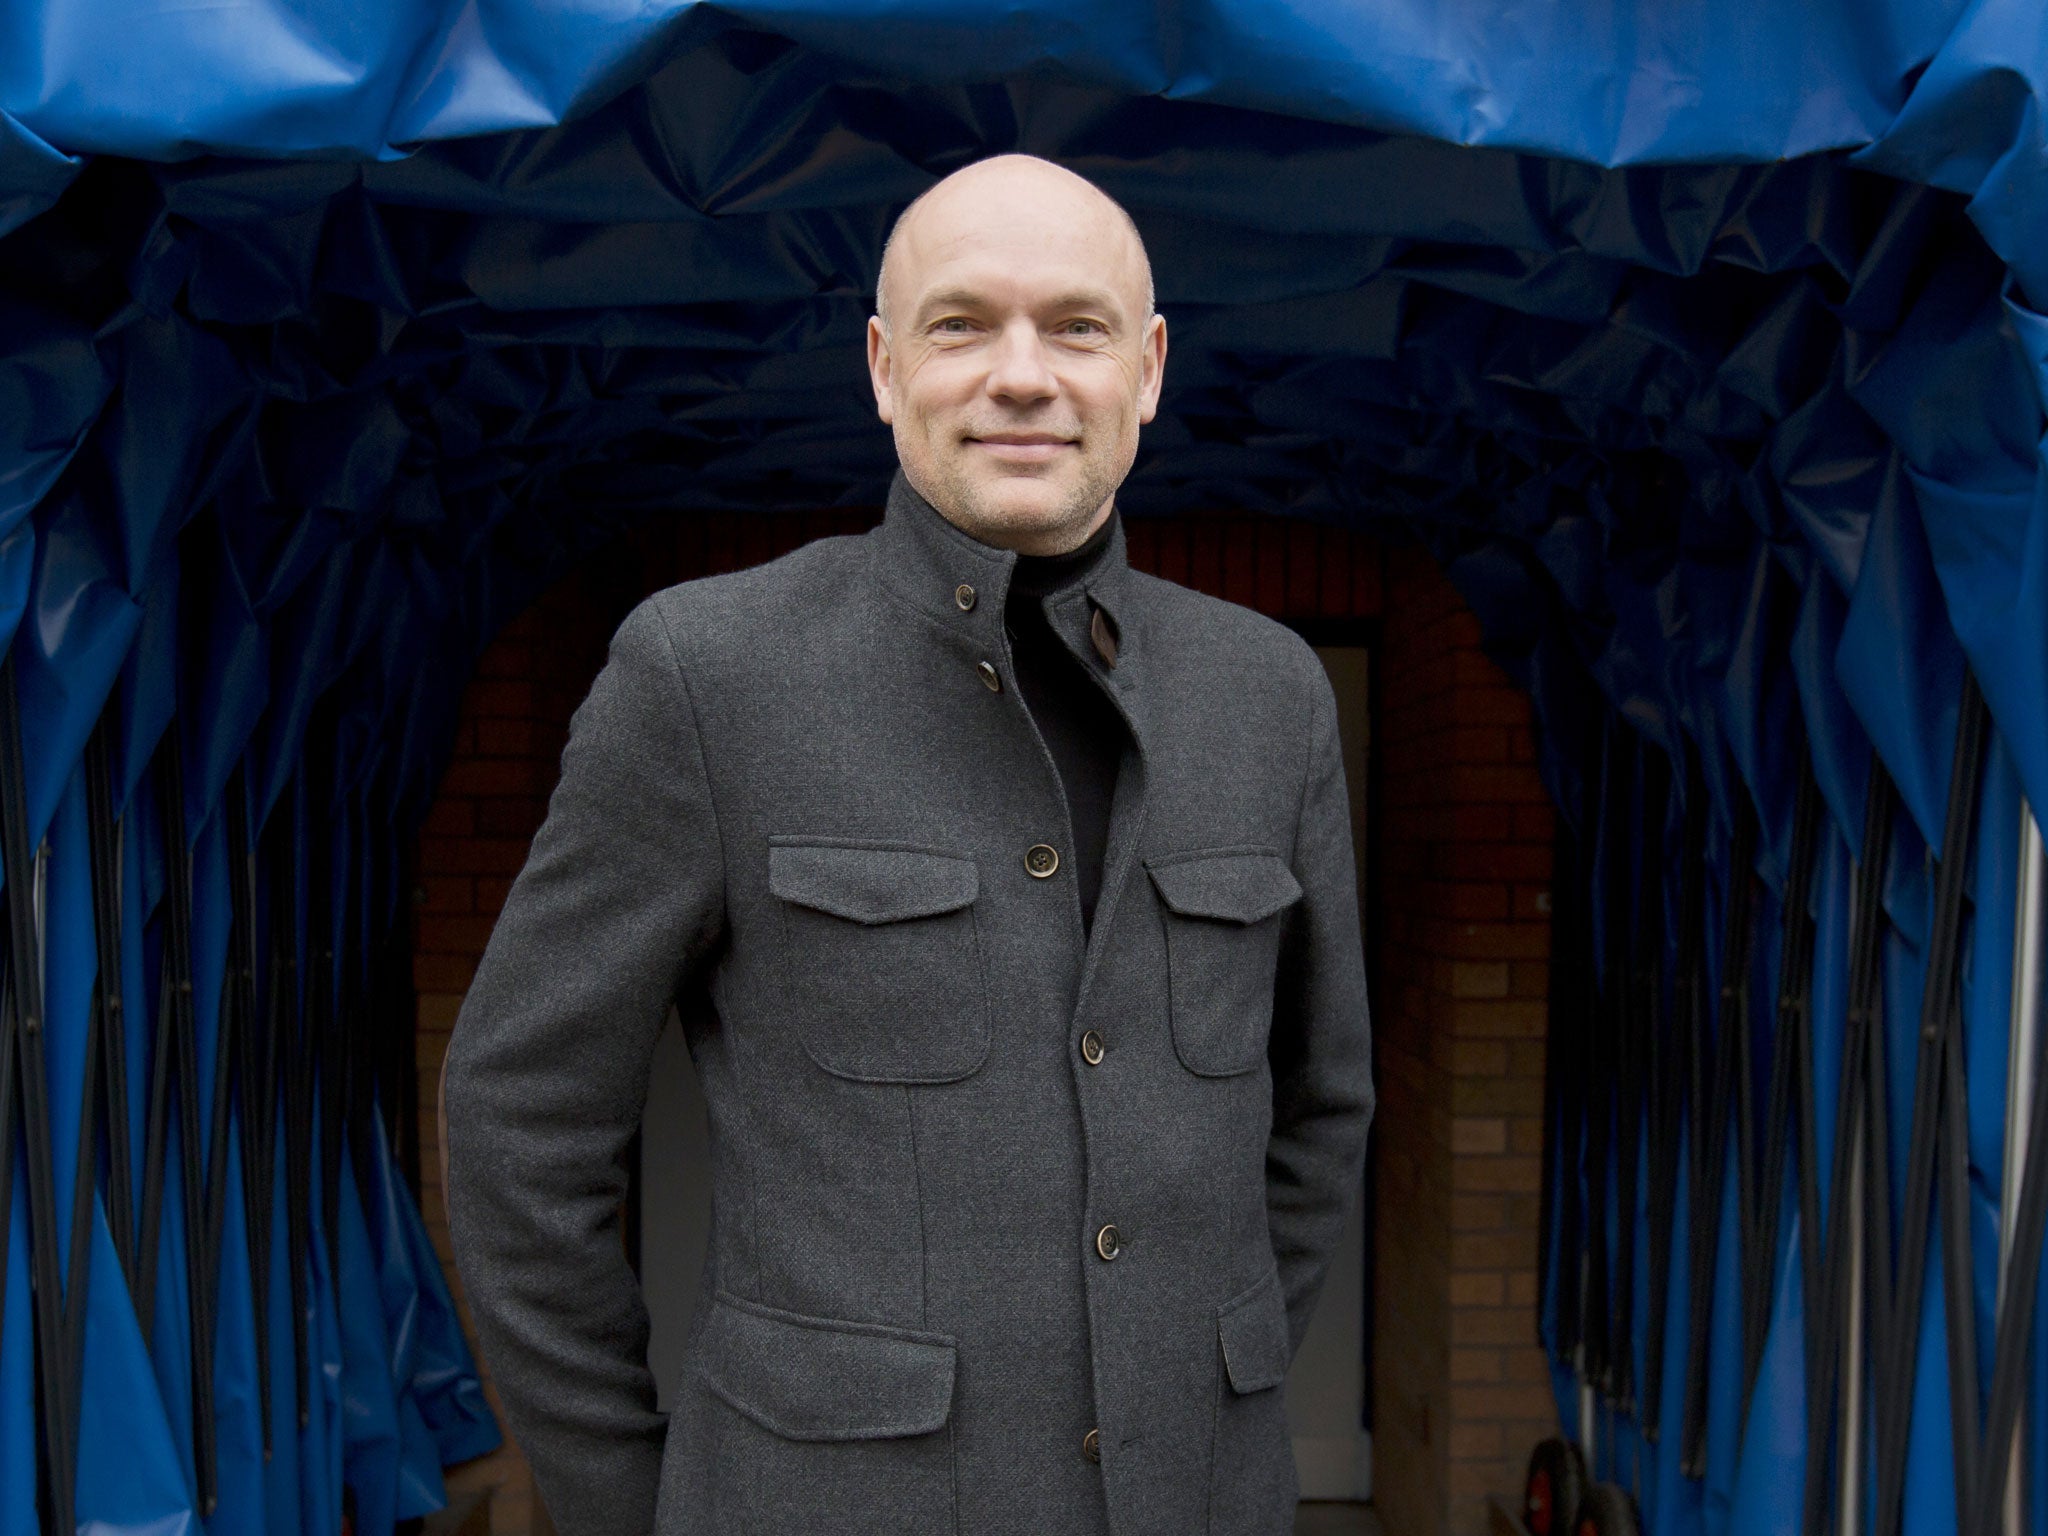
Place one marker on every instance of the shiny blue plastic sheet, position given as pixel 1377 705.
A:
pixel 372 1450
pixel 128 1474
pixel 322 1444
pixel 18 1472
pixel 1706 348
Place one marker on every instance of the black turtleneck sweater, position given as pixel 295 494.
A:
pixel 1081 727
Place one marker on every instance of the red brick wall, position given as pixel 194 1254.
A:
pixel 1459 976
pixel 1460 1391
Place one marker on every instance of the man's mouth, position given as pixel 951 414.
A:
pixel 1027 447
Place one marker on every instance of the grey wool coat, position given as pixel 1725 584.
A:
pixel 1012 1231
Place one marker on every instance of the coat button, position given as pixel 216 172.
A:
pixel 1041 859
pixel 1091 1446
pixel 1091 1048
pixel 1109 1242
pixel 990 676
pixel 964 596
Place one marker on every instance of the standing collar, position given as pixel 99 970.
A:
pixel 925 558
pixel 1037 575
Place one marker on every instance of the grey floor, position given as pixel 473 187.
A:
pixel 1336 1520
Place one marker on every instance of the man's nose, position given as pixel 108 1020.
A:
pixel 1018 370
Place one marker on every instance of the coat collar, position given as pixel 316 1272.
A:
pixel 928 562
pixel 923 560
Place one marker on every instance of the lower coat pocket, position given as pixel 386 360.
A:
pixel 811 1378
pixel 823 1424
pixel 1251 1327
pixel 1253 1485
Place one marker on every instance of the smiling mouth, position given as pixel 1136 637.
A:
pixel 1031 447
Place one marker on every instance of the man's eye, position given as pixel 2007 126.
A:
pixel 953 327
pixel 1085 327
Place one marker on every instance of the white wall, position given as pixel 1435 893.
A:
pixel 1326 1388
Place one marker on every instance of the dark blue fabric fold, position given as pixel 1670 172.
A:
pixel 1705 349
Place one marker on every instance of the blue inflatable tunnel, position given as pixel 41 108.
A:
pixel 1705 347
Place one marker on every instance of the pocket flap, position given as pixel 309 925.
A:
pixel 1239 885
pixel 811 1378
pixel 867 883
pixel 1253 1328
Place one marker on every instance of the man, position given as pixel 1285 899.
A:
pixel 1007 898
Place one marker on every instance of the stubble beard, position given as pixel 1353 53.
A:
pixel 974 507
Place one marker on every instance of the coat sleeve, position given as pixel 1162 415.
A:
pixel 1321 1044
pixel 620 901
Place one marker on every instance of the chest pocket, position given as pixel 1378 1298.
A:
pixel 1224 910
pixel 881 961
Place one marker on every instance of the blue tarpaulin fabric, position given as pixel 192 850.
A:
pixel 128 1473
pixel 323 1448
pixel 1705 347
pixel 372 1445
pixel 17 1371
pixel 283 1474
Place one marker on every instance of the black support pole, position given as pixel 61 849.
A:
pixel 1938 1155
pixel 176 1071
pixel 1670 1066
pixel 253 1075
pixel 1828 1307
pixel 285 1014
pixel 1790 1084
pixel 24 1027
pixel 1715 1064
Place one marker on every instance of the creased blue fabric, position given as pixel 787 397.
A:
pixel 1706 349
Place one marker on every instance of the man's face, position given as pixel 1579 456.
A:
pixel 1019 362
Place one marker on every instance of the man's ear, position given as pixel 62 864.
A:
pixel 1151 367
pixel 880 364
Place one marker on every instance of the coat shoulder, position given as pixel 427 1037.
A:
pixel 741 613
pixel 1216 632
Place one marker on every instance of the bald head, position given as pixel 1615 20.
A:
pixel 1007 183
pixel 1014 352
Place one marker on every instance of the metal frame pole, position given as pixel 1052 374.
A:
pixel 27 1080
pixel 1849 1481
pixel 2021 1055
